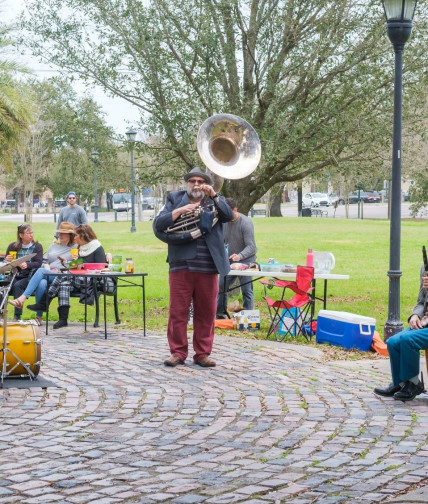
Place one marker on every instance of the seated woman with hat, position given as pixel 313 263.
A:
pixel 51 262
pixel 91 251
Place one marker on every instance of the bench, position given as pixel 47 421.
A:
pixel 254 212
pixel 98 292
pixel 317 212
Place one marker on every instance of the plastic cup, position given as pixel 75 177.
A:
pixel 74 251
pixel 13 254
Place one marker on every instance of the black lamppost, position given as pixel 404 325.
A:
pixel 399 15
pixel 94 157
pixel 131 135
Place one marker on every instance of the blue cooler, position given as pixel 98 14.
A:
pixel 345 329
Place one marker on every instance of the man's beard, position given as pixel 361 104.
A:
pixel 195 193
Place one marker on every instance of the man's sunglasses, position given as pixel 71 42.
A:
pixel 193 181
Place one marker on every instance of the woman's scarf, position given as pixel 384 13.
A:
pixel 88 248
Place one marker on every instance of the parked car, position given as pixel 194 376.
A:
pixel 335 198
pixel 365 196
pixel 60 203
pixel 316 199
pixel 151 203
pixel 148 203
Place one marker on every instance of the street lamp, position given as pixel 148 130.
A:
pixel 94 157
pixel 399 15
pixel 131 135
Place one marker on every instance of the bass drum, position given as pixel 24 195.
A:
pixel 25 343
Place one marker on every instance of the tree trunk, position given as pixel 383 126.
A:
pixel 275 207
pixel 299 198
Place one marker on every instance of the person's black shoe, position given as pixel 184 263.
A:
pixel 221 316
pixel 409 391
pixel 60 323
pixel 38 307
pixel 388 391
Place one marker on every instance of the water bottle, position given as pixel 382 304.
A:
pixel 309 258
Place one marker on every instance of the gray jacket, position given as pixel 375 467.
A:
pixel 421 305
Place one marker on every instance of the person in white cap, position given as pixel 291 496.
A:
pixel 73 212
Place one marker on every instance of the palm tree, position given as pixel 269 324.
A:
pixel 15 105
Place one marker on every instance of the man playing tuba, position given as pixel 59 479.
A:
pixel 195 259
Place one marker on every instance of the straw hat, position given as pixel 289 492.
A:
pixel 66 227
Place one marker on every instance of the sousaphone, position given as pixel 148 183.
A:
pixel 230 148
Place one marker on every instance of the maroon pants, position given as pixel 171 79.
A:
pixel 203 289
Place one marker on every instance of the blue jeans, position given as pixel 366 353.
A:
pixel 404 357
pixel 246 289
pixel 38 283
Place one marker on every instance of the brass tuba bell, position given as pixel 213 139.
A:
pixel 229 147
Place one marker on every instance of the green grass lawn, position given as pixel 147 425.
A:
pixel 361 249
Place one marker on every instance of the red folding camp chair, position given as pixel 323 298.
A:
pixel 290 316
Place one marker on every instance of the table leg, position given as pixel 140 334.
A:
pixel 325 294
pixel 47 304
pixel 86 300
pixel 144 305
pixel 105 308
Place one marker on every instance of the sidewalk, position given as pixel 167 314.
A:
pixel 272 423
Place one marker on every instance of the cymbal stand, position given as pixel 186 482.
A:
pixel 4 350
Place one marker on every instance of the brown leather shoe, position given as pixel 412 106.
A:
pixel 205 361
pixel 173 361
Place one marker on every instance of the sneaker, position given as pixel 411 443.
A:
pixel 409 391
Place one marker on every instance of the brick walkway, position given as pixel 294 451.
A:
pixel 271 424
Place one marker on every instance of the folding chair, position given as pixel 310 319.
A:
pixel 289 316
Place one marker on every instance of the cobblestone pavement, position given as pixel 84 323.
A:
pixel 272 423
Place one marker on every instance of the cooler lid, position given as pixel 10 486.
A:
pixel 346 317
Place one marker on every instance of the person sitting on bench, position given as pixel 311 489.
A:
pixel 91 251
pixel 60 250
pixel 404 348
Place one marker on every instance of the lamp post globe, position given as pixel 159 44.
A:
pixel 94 157
pixel 131 135
pixel 399 15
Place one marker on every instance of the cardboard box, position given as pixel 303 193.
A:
pixel 247 320
pixel 344 329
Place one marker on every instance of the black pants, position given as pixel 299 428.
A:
pixel 17 289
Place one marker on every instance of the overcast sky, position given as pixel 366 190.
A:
pixel 119 113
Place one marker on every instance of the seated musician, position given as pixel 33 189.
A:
pixel 24 245
pixel 404 348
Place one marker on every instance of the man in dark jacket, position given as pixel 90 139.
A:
pixel 404 348
pixel 195 259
